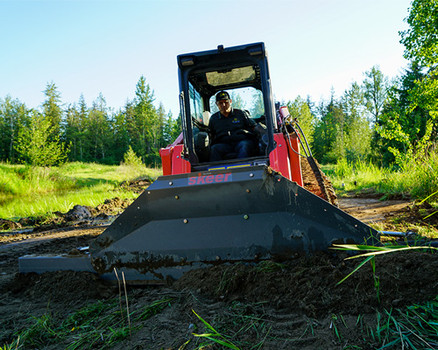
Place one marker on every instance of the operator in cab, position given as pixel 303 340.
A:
pixel 231 131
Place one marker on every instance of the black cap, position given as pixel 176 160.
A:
pixel 222 95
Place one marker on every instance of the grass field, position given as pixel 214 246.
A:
pixel 416 179
pixel 29 191
pixel 26 191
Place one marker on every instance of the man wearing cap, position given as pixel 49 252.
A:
pixel 231 130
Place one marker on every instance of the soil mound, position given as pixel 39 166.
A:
pixel 315 181
pixel 138 185
pixel 309 284
pixel 80 215
pixel 61 286
pixel 9 225
pixel 420 212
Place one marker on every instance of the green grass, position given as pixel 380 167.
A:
pixel 359 176
pixel 214 336
pixel 415 327
pixel 237 329
pixel 36 191
pixel 416 178
pixel 96 326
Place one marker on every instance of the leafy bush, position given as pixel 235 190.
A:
pixel 417 175
pixel 37 146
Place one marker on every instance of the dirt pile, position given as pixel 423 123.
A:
pixel 419 212
pixel 78 215
pixel 138 185
pixel 65 286
pixel 308 284
pixel 315 181
pixel 9 225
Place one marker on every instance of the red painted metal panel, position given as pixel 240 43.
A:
pixel 171 160
pixel 279 157
pixel 294 159
pixel 179 165
pixel 166 160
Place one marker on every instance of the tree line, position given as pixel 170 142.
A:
pixel 348 127
pixel 84 133
pixel 386 121
pixel 382 120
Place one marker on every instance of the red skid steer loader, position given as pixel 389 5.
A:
pixel 201 213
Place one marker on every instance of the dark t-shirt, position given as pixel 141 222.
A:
pixel 236 127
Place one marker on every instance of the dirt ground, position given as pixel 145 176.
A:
pixel 295 304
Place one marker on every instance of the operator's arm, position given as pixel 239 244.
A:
pixel 249 123
pixel 200 126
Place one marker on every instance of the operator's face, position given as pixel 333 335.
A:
pixel 224 106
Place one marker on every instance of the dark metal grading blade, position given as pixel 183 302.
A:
pixel 197 219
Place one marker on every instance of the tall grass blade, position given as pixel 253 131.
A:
pixel 377 250
pixel 215 336
pixel 120 293
pixel 209 326
pixel 430 196
pixel 357 268
pixel 428 216
pixel 127 304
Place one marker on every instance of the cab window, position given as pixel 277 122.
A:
pixel 247 98
pixel 196 105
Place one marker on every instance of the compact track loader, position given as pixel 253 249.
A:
pixel 201 213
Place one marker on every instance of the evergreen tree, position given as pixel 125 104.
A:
pixel 83 113
pixel 13 114
pixel 171 130
pixel 238 101
pixel 52 110
pixel 99 135
pixel 158 128
pixel 142 122
pixel 257 106
pixel 71 131
pixel 131 159
pixel 75 130
pixel 329 144
pixel 120 133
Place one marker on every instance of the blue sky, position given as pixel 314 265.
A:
pixel 92 47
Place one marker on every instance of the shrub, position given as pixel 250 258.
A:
pixel 131 159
